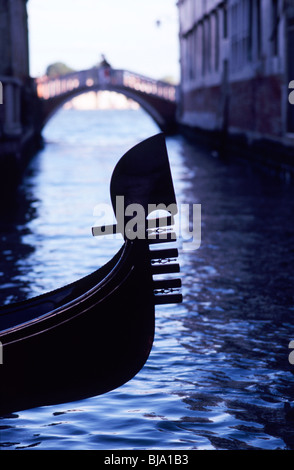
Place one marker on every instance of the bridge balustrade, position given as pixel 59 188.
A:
pixel 103 77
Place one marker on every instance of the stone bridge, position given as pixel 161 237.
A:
pixel 157 98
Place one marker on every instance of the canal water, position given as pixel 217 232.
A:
pixel 219 375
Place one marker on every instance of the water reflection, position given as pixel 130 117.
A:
pixel 239 293
pixel 15 216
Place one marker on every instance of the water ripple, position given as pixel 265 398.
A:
pixel 218 376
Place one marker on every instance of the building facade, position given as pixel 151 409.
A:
pixel 19 133
pixel 14 51
pixel 14 63
pixel 237 65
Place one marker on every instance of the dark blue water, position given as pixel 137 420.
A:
pixel 218 376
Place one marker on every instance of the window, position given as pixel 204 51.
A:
pixel 258 27
pixel 246 37
pixel 190 56
pixel 250 30
pixel 197 50
pixel 275 28
pixel 209 43
pixel 200 49
pixel 225 22
pixel 216 40
pixel 204 56
pixel 234 36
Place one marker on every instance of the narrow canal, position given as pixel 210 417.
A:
pixel 219 375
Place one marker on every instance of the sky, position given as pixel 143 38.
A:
pixel 136 35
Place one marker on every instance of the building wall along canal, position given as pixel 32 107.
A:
pixel 236 75
pixel 18 101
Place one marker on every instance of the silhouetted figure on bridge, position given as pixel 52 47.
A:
pixel 104 63
pixel 104 69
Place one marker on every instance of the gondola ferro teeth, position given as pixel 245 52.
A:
pixel 159 230
pixel 168 299
pixel 163 261
pixel 162 237
pixel 165 268
pixel 167 283
pixel 169 290
pixel 166 253
pixel 160 222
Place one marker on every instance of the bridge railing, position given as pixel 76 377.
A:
pixel 103 77
pixel 51 87
pixel 149 86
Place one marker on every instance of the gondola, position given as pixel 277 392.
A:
pixel 94 335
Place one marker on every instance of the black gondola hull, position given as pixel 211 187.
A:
pixel 99 342
pixel 96 334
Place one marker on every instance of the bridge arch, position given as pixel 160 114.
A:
pixel 50 108
pixel 158 99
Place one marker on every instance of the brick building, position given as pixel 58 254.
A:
pixel 237 65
